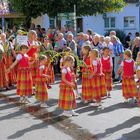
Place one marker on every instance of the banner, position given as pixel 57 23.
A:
pixel 22 39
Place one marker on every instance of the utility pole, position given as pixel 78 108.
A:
pixel 75 22
pixel 3 19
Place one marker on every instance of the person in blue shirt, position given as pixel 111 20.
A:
pixel 118 53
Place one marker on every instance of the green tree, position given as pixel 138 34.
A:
pixel 34 8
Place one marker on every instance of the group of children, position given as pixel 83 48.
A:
pixel 96 77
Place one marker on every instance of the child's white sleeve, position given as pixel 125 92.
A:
pixel 64 71
pixel 122 64
pixel 42 67
pixel 94 63
pixel 138 68
pixel 19 57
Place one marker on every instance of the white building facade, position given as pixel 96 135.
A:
pixel 127 20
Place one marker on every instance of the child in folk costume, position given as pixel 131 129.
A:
pixel 67 100
pixel 107 67
pixel 138 75
pixel 67 51
pixel 98 88
pixel 138 67
pixel 86 86
pixel 3 74
pixel 40 82
pixel 24 77
pixel 50 71
pixel 129 88
pixel 9 55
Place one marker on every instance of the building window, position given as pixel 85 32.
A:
pixel 52 23
pixel 109 22
pixel 129 22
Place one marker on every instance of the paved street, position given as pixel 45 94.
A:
pixel 115 120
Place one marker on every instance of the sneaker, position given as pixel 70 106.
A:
pixel 126 101
pixel 97 104
pixel 85 101
pixel 49 87
pixel 26 100
pixel 67 114
pixel 7 88
pixel 93 104
pixel 108 95
pixel 21 100
pixel 44 105
pixel 73 113
pixel 115 80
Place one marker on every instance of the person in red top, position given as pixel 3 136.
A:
pixel 50 71
pixel 107 67
pixel 86 89
pixel 33 48
pixel 3 74
pixel 98 88
pixel 129 87
pixel 24 77
pixel 40 82
pixel 67 100
pixel 10 56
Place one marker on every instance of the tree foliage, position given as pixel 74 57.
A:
pixel 34 8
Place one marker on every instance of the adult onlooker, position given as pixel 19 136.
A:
pixel 47 43
pixel 60 42
pixel 136 47
pixel 96 43
pixel 102 41
pixel 112 33
pixel 80 41
pixel 109 44
pixel 128 41
pixel 50 33
pixel 71 42
pixel 43 32
pixel 89 33
pixel 137 34
pixel 39 35
pixel 118 53
pixel 32 26
pixel 14 30
pixel 86 40
pixel 8 33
